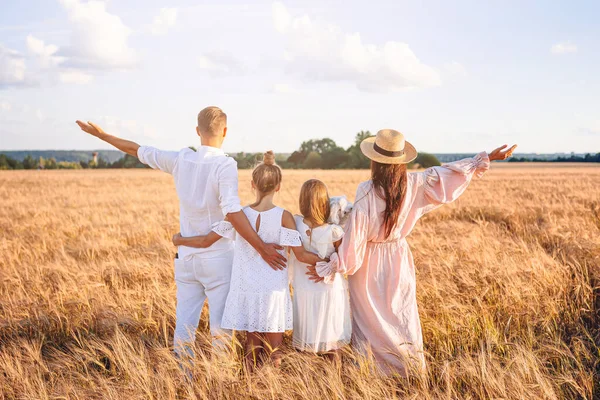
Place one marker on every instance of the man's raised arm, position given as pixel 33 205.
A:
pixel 126 146
pixel 154 158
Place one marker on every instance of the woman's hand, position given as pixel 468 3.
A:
pixel 312 273
pixel 176 238
pixel 499 155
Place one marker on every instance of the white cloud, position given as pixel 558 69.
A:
pixel 455 68
pixel 164 21
pixel 563 48
pixel 284 88
pixel 127 127
pixel 12 67
pixel 220 63
pixel 75 76
pixel 281 17
pixel 323 52
pixel 99 38
pixel 45 54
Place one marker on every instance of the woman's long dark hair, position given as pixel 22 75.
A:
pixel 389 182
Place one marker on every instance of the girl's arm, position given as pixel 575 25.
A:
pixel 306 256
pixel 200 242
pixel 300 252
pixel 337 244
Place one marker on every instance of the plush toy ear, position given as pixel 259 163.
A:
pixel 334 214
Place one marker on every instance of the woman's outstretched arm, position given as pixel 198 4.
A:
pixel 442 185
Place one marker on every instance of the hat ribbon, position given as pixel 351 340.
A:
pixel 387 153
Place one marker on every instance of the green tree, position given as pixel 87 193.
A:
pixel 247 160
pixel 102 163
pixel 313 160
pixel 49 163
pixel 4 162
pixel 356 158
pixel 29 162
pixel 297 158
pixel 426 160
pixel 335 159
pixel 320 146
pixel 127 161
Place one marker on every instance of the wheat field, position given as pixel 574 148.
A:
pixel 508 288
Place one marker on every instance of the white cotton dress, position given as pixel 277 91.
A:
pixel 321 310
pixel 259 297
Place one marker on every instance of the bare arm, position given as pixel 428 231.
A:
pixel 306 256
pixel 300 252
pixel 200 242
pixel 125 146
pixel 267 251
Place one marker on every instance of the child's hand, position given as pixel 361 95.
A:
pixel 176 238
pixel 312 273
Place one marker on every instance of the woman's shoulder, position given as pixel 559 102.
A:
pixel 362 192
pixel 366 185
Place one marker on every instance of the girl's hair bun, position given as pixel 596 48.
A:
pixel 269 158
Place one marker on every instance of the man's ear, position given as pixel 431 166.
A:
pixel 278 188
pixel 224 132
pixel 198 131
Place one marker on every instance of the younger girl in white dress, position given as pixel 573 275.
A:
pixel 321 310
pixel 259 299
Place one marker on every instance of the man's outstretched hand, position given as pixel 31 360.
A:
pixel 500 155
pixel 273 257
pixel 126 146
pixel 90 128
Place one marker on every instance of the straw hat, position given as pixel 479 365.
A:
pixel 388 147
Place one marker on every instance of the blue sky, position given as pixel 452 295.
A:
pixel 459 76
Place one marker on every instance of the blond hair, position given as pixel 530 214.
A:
pixel 212 120
pixel 266 176
pixel 314 202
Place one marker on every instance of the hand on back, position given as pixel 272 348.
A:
pixel 272 256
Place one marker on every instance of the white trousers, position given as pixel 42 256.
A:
pixel 197 279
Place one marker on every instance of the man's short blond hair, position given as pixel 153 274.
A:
pixel 212 120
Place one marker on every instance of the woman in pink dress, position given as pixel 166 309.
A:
pixel 375 254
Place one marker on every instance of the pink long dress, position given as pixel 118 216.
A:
pixel 385 317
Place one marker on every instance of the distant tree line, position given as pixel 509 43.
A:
pixel 50 163
pixel 573 158
pixel 326 154
pixel 312 154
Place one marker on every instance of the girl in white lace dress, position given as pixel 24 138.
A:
pixel 321 310
pixel 259 299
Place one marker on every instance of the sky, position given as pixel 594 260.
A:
pixel 453 76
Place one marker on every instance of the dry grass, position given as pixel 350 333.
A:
pixel 508 281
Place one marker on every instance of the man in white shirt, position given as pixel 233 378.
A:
pixel 207 186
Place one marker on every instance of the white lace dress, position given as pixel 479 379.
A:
pixel 259 297
pixel 321 310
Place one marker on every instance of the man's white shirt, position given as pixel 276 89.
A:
pixel 207 187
